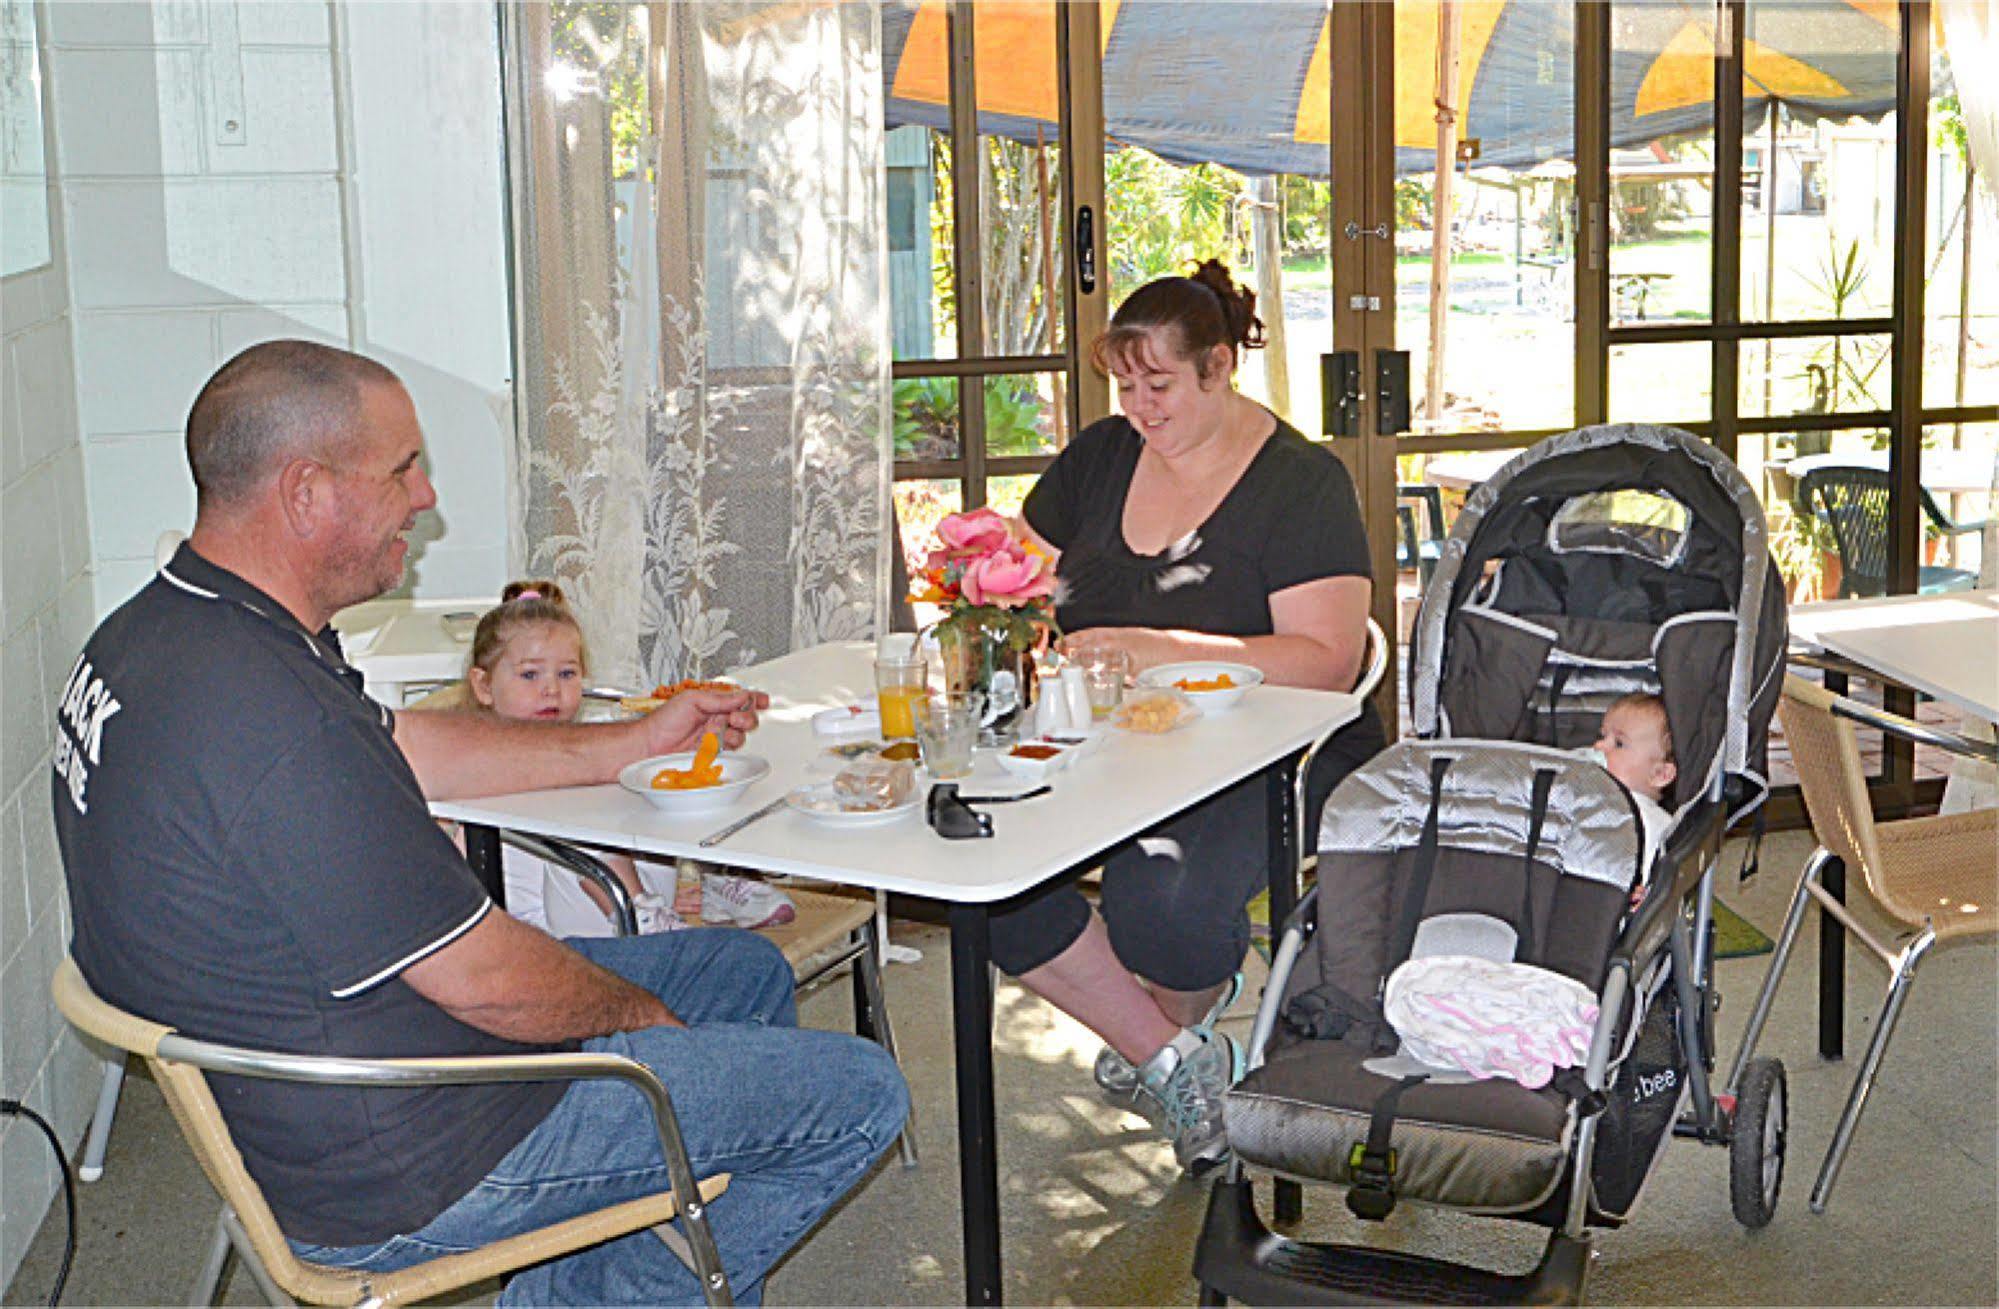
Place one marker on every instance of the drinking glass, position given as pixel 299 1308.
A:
pixel 900 682
pixel 947 727
pixel 1104 675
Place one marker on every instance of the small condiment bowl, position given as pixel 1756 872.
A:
pixel 1243 676
pixel 1035 766
pixel 739 773
pixel 1081 744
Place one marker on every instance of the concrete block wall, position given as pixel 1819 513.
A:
pixel 223 172
pixel 45 612
pixel 234 172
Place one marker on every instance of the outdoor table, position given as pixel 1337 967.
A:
pixel 1948 471
pixel 1461 470
pixel 1127 787
pixel 1947 647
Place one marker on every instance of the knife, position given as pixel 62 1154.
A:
pixel 741 823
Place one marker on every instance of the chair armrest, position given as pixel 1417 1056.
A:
pixel 1911 730
pixel 327 1070
pixel 1371 674
pixel 586 866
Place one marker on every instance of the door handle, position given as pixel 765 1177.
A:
pixel 1086 250
pixel 1391 392
pixel 1339 392
pixel 1354 231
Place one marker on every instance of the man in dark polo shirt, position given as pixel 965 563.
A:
pixel 250 860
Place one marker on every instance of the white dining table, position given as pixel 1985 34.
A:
pixel 1125 788
pixel 1946 645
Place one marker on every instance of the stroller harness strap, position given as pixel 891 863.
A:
pixel 1544 783
pixel 1328 1011
pixel 1371 1164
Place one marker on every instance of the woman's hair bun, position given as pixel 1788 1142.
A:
pixel 534 588
pixel 1238 304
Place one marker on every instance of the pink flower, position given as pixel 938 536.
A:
pixel 980 532
pixel 1009 577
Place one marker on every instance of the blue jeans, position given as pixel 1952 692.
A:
pixel 796 1117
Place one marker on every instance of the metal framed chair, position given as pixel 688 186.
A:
pixel 247 1230
pixel 1936 877
pixel 1853 501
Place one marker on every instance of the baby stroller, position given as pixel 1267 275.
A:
pixel 1604 561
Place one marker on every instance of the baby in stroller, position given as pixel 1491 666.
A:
pixel 1608 585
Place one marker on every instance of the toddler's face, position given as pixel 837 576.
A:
pixel 1634 751
pixel 539 675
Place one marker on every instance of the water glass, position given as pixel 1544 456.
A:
pixel 947 727
pixel 1104 674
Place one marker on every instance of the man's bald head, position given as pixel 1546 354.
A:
pixel 273 402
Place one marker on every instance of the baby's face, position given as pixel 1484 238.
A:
pixel 1634 751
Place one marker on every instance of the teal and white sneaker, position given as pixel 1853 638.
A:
pixel 1186 1081
pixel 1119 1078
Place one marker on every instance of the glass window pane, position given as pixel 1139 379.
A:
pixel 1672 382
pixel 1801 541
pixel 1026 414
pixel 1480 361
pixel 1960 471
pixel 926 418
pixel 922 277
pixel 1661 163
pixel 1814 375
pixel 1818 197
pixel 919 503
pixel 1020 175
pixel 1961 256
pixel 1007 494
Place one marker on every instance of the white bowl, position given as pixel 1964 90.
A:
pixel 739 773
pixel 1035 770
pixel 1209 702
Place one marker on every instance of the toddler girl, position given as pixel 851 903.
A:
pixel 528 662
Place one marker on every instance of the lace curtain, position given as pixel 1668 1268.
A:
pixel 702 298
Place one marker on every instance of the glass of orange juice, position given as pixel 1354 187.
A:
pixel 901 679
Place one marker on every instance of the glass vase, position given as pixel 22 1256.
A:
pixel 990 651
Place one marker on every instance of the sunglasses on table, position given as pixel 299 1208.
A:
pixel 952 817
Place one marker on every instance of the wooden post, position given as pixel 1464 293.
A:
pixel 1440 220
pixel 1266 227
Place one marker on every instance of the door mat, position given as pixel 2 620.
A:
pixel 1735 937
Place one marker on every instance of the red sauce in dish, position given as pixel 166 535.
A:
pixel 1035 751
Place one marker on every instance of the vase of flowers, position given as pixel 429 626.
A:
pixel 997 592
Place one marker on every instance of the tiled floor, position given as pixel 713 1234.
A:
pixel 1094 1212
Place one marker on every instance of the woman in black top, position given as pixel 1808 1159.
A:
pixel 1195 526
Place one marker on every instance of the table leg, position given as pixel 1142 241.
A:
pixel 1281 819
pixel 978 1157
pixel 482 852
pixel 864 1013
pixel 1832 966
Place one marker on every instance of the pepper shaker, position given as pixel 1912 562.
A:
pixel 1076 692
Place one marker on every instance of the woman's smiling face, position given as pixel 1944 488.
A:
pixel 1164 396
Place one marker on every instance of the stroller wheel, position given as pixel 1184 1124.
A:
pixel 1756 1143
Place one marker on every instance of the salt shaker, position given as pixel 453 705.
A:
pixel 1076 692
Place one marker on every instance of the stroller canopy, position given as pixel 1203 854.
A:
pixel 1609 559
